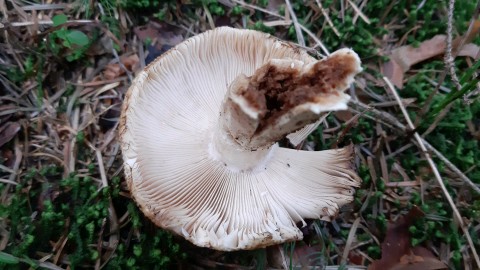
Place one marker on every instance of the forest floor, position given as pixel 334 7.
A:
pixel 414 119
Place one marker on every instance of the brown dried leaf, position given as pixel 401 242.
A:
pixel 356 258
pixel 411 259
pixel 131 62
pixel 403 58
pixel 397 252
pixel 113 71
pixel 344 116
pixel 160 33
pixel 274 5
pixel 420 259
pixel 8 131
pixel 8 158
pixel 470 50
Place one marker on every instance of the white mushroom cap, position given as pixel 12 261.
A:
pixel 190 174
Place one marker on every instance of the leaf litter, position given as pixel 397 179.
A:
pixel 67 115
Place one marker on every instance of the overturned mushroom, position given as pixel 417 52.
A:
pixel 198 133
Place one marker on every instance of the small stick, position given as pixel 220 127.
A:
pixel 298 31
pixel 359 12
pixel 449 59
pixel 327 18
pixel 452 167
pixel 317 40
pixel 422 147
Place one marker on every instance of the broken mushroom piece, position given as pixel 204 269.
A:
pixel 198 134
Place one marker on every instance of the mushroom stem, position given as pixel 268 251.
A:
pixel 285 95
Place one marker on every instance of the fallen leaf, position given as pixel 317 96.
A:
pixel 305 256
pixel 130 62
pixel 344 116
pixel 355 258
pixel 403 58
pixel 162 37
pixel 411 259
pixel 8 158
pixel 8 131
pixel 113 71
pixel 274 5
pixel 470 50
pixel 397 252
pixel 160 33
pixel 423 260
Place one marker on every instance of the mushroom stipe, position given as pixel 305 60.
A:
pixel 199 131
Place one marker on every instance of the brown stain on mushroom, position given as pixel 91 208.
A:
pixel 275 91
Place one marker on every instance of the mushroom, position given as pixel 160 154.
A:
pixel 199 131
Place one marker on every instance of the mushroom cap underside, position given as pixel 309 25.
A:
pixel 180 181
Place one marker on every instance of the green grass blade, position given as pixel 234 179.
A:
pixel 8 259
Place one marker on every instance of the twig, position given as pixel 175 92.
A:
pixel 327 18
pixel 422 147
pixel 359 12
pixel 452 167
pixel 449 59
pixel 298 31
pixel 317 40
pixel 437 119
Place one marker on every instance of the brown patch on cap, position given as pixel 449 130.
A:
pixel 275 90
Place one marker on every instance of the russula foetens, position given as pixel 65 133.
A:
pixel 198 133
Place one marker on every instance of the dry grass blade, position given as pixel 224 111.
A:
pixel 298 31
pixel 359 12
pixel 452 167
pixel 449 59
pixel 40 22
pixel 351 237
pixel 457 216
pixel 44 7
pixel 319 43
pixel 327 18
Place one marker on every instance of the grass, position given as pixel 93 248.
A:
pixel 64 202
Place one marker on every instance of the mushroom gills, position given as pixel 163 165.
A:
pixel 198 131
